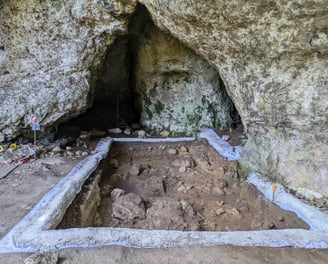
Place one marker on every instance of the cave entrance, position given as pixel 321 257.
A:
pixel 150 78
pixel 113 93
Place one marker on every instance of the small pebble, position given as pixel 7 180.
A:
pixel 84 135
pixel 183 149
pixel 56 149
pixel 219 211
pixel 135 169
pixel 234 211
pixel 172 151
pixel 115 130
pixel 141 133
pixel 182 169
pixel 181 188
pixel 164 133
pixel 127 131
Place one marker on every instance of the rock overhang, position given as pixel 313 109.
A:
pixel 272 59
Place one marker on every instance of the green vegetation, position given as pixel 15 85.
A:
pixel 188 117
pixel 243 170
pixel 159 107
pixel 194 117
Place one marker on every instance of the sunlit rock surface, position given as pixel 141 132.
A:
pixel 271 55
pixel 49 51
pixel 273 59
pixel 179 91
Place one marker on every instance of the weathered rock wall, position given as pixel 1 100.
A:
pixel 273 58
pixel 48 52
pixel 179 91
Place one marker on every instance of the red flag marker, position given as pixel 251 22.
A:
pixel 35 124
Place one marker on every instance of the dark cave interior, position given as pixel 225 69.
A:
pixel 116 103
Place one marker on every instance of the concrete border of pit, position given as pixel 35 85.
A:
pixel 34 232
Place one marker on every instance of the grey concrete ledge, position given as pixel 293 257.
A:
pixel 34 232
pixel 224 148
pixel 316 219
pixel 154 140
pixel 93 237
pixel 48 212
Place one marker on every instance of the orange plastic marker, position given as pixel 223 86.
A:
pixel 274 188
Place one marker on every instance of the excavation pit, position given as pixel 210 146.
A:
pixel 184 186
pixel 37 230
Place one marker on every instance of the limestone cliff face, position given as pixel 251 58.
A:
pixel 179 91
pixel 273 58
pixel 48 52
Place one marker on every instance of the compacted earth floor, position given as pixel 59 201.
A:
pixel 204 193
pixel 24 181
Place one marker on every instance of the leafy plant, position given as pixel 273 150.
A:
pixel 195 116
pixel 159 107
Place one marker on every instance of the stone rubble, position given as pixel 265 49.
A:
pixel 128 207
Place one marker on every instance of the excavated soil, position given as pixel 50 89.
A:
pixel 179 186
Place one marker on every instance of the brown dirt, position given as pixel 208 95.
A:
pixel 236 136
pixel 22 189
pixel 219 201
pixel 183 255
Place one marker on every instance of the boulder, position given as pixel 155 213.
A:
pixel 128 207
pixel 116 193
pixel 168 214
pixel 183 162
pixel 135 169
